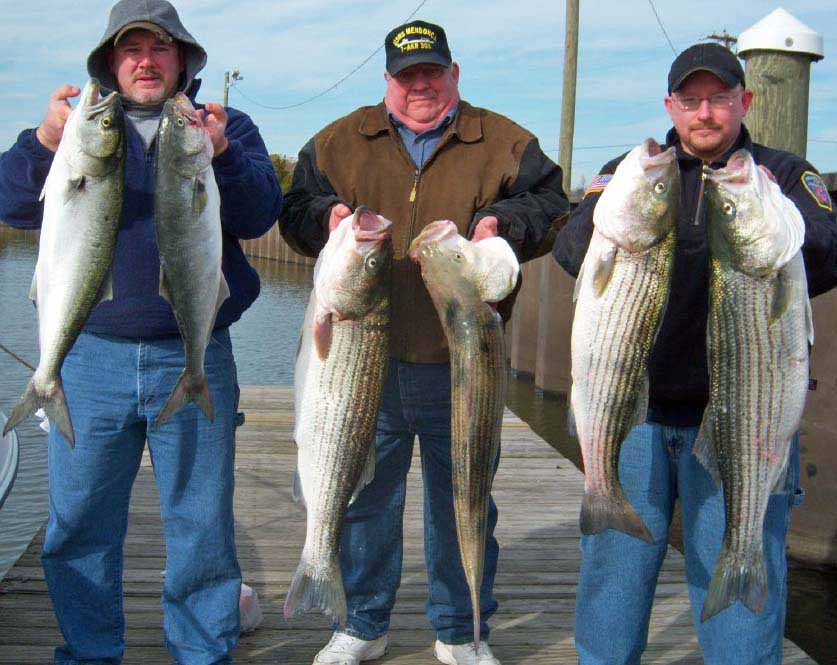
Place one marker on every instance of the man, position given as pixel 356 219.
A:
pixel 124 364
pixel 421 155
pixel 707 101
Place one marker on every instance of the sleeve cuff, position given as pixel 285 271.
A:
pixel 228 165
pixel 28 141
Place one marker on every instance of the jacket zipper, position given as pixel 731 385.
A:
pixel 703 172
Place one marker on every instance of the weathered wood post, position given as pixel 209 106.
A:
pixel 552 364
pixel 778 51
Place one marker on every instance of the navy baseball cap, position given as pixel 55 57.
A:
pixel 414 43
pixel 710 57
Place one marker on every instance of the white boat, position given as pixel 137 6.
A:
pixel 9 457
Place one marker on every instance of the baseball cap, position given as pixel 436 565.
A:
pixel 416 42
pixel 143 25
pixel 710 57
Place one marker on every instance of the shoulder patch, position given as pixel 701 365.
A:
pixel 598 184
pixel 816 188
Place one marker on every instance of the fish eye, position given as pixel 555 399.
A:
pixel 660 187
pixel 106 122
pixel 372 262
pixel 728 208
pixel 458 256
pixel 180 122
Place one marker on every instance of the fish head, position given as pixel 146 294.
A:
pixel 752 225
pixel 95 132
pixel 638 208
pixel 355 275
pixel 182 137
pixel 454 268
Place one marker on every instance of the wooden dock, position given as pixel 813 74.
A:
pixel 538 493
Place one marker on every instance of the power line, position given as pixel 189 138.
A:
pixel 327 90
pixel 662 27
pixel 17 357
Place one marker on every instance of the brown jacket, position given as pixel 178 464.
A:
pixel 483 165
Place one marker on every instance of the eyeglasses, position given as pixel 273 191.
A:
pixel 723 100
pixel 409 75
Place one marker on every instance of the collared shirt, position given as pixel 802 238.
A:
pixel 421 145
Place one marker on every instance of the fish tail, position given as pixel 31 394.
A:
pixel 316 588
pixel 735 579
pixel 187 389
pixel 601 511
pixel 54 403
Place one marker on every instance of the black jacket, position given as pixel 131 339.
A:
pixel 679 380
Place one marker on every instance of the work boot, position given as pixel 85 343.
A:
pixel 344 649
pixel 464 654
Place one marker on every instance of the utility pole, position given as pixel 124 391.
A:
pixel 229 79
pixel 724 38
pixel 565 148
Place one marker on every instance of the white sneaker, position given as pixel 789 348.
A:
pixel 464 654
pixel 343 649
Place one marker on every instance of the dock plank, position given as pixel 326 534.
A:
pixel 538 493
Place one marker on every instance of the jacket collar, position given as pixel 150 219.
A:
pixel 467 125
pixel 743 141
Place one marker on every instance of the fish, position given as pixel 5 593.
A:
pixel 339 376
pixel 759 329
pixel 82 198
pixel 462 277
pixel 621 295
pixel 187 225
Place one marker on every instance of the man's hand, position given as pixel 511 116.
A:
pixel 51 129
pixel 338 213
pixel 214 118
pixel 486 228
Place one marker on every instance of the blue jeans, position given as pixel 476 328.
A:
pixel 619 573
pixel 115 388
pixel 416 401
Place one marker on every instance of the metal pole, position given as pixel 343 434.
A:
pixel 565 148
pixel 226 89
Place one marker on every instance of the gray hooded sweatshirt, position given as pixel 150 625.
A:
pixel 163 14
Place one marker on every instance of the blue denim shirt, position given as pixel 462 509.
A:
pixel 421 145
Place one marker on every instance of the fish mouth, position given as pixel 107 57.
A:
pixel 430 237
pixel 653 156
pixel 369 227
pixel 90 102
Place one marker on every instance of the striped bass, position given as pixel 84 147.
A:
pixel 82 207
pixel 339 376
pixel 621 295
pixel 461 277
pixel 758 332
pixel 187 223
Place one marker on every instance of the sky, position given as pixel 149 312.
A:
pixel 511 56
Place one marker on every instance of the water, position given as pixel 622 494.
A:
pixel 265 342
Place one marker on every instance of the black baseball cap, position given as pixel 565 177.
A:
pixel 416 42
pixel 710 57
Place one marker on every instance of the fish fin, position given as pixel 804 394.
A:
pixel 603 269
pixel 297 495
pixel 106 289
pixel 782 479
pixel 187 389
pixel 704 448
pixel 54 403
pixel 314 587
pixel 600 512
pixel 572 423
pixel 322 333
pixel 199 195
pixel 75 184
pixel 367 475
pixel 164 290
pixel 33 288
pixel 736 580
pixel 641 413
pixel 223 293
pixel 809 321
pixel 781 298
pixel 578 282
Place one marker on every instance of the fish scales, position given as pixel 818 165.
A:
pixel 339 376
pixel 758 331
pixel 458 277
